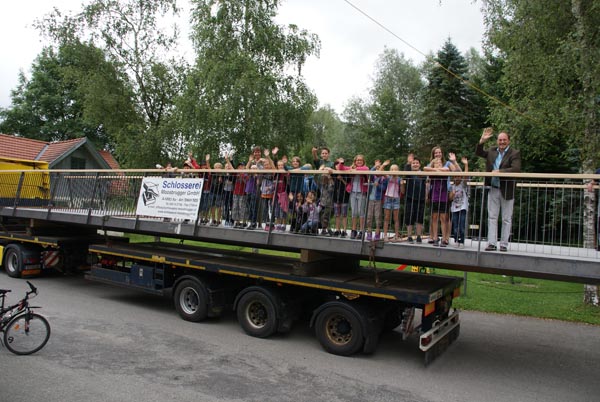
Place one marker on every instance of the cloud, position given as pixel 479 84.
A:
pixel 350 41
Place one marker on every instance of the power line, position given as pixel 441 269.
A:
pixel 464 81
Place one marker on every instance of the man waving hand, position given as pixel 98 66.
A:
pixel 500 159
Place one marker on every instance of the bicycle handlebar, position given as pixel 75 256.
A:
pixel 33 288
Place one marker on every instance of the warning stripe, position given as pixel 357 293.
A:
pixel 51 258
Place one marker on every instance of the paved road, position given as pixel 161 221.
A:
pixel 111 344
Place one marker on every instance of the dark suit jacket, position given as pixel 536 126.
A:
pixel 511 163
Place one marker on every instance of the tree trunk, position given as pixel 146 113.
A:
pixel 591 295
pixel 586 54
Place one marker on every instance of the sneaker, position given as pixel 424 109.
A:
pixel 503 248
pixel 419 240
pixel 336 233
pixel 369 236
pixel 359 236
pixel 410 240
pixel 436 243
pixel 461 245
pixel 490 247
pixel 251 226
pixel 330 233
pixel 353 234
pixel 343 233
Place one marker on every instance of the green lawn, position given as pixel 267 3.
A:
pixel 525 296
pixel 492 293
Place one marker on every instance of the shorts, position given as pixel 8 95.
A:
pixel 391 203
pixel 340 209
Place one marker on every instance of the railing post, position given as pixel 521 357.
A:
pixel 93 197
pixel 53 188
pixel 18 194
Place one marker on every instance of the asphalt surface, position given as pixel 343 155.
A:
pixel 112 344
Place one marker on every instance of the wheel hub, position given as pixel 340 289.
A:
pixel 189 301
pixel 257 315
pixel 339 330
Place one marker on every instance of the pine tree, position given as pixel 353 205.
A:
pixel 452 116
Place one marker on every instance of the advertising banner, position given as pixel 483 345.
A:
pixel 177 198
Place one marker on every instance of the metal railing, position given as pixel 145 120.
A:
pixel 553 214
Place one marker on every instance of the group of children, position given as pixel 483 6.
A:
pixel 307 202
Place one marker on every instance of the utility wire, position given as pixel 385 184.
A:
pixel 464 81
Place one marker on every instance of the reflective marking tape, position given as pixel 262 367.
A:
pixel 51 258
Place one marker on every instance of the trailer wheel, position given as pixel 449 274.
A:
pixel 339 330
pixel 13 260
pixel 191 300
pixel 257 314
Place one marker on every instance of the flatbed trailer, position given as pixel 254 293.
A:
pixel 25 254
pixel 348 306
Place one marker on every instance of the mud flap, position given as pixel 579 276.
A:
pixel 440 347
pixel 435 341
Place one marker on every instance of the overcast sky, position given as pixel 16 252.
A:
pixel 350 42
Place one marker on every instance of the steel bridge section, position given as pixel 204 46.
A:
pixel 550 262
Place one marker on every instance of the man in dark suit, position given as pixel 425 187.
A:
pixel 501 196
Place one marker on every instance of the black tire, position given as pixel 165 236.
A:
pixel 257 314
pixel 339 330
pixel 13 260
pixel 26 333
pixel 191 300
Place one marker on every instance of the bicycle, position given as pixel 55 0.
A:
pixel 25 332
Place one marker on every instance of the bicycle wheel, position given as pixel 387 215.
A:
pixel 26 333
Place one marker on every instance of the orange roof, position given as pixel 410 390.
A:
pixel 26 148
pixel 110 159
pixel 21 148
pixel 55 150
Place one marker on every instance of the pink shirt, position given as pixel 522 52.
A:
pixel 393 187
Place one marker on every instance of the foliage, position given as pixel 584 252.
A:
pixel 452 113
pixel 129 34
pixel 384 126
pixel 52 104
pixel 550 78
pixel 246 86
pixel 327 130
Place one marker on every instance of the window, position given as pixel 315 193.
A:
pixel 77 163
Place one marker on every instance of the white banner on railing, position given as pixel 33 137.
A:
pixel 170 197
